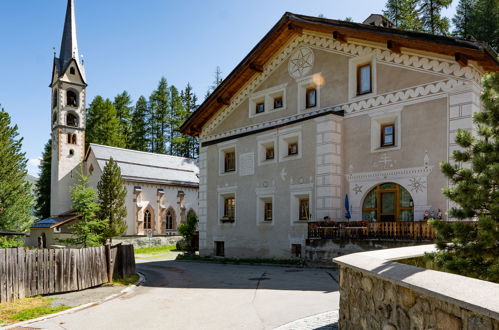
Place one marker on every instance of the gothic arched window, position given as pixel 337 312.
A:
pixel 72 138
pixel 72 70
pixel 71 120
pixel 54 99
pixel 71 99
pixel 147 220
pixel 169 219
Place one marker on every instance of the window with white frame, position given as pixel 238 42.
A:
pixel 267 101
pixel 386 129
pixel 227 207
pixel 301 208
pixel 227 159
pixel 309 92
pixel 361 76
pixel 290 145
pixel 267 150
pixel 265 209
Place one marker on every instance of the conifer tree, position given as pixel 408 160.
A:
pixel 485 22
pixel 403 13
pixel 177 116
pixel 189 99
pixel 138 137
pixel 123 105
pixel 158 121
pixel 430 15
pixel 475 189
pixel 216 82
pixel 16 201
pixel 463 19
pixel 88 230
pixel 42 188
pixel 103 126
pixel 112 194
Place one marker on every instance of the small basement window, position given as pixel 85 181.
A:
pixel 219 249
pixel 296 250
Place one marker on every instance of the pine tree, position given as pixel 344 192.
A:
pixel 463 19
pixel 112 194
pixel 159 123
pixel 123 105
pixel 88 231
pixel 216 82
pixel 189 99
pixel 485 22
pixel 42 188
pixel 475 189
pixel 430 15
pixel 138 136
pixel 103 126
pixel 176 118
pixel 403 13
pixel 16 201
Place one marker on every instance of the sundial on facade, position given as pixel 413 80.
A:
pixel 301 62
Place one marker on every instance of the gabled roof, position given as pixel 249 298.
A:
pixel 291 24
pixel 139 166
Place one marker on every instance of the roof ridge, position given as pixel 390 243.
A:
pixel 142 152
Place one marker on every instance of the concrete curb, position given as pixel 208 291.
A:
pixel 129 289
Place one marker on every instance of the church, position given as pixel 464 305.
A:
pixel 161 189
pixel 328 120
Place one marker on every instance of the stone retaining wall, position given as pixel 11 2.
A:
pixel 144 241
pixel 376 293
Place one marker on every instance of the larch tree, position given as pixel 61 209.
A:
pixel 474 178
pixel 189 100
pixel 176 117
pixel 216 82
pixel 463 19
pixel 485 22
pixel 430 15
pixel 138 136
pixel 403 13
pixel 16 201
pixel 103 125
pixel 158 121
pixel 112 193
pixel 123 104
pixel 42 187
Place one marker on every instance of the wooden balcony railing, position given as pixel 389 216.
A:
pixel 419 230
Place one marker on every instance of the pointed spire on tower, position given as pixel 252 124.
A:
pixel 69 44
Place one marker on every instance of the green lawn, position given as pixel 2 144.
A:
pixel 126 281
pixel 27 309
pixel 155 249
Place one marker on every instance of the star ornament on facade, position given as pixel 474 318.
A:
pixel 417 184
pixel 301 62
pixel 357 189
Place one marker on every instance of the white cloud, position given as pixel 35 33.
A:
pixel 33 166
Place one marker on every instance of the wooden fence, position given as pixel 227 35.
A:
pixel 28 273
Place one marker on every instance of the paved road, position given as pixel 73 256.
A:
pixel 192 295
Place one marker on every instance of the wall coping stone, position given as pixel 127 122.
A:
pixel 469 293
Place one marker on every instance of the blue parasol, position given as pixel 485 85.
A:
pixel 347 208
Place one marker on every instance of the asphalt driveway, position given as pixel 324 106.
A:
pixel 195 295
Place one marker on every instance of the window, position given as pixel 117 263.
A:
pixel 260 107
pixel 91 169
pixel 229 161
pixel 71 120
pixel 72 70
pixel 72 138
pixel 304 213
pixel 54 118
pixel 71 99
pixel 278 102
pixel 269 153
pixel 364 79
pixel 267 211
pixel 169 220
pixel 311 98
pixel 296 250
pixel 219 249
pixel 229 209
pixel 293 148
pixel 147 220
pixel 54 99
pixel 387 135
pixel 71 152
pixel 388 202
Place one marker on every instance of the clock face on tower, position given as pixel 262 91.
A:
pixel 301 62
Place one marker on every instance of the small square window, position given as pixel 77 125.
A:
pixel 387 135
pixel 219 249
pixel 278 102
pixel 364 79
pixel 230 161
pixel 293 149
pixel 304 213
pixel 267 216
pixel 260 107
pixel 311 98
pixel 269 153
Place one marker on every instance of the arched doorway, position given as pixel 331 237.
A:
pixel 170 219
pixel 388 202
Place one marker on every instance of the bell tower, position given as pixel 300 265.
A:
pixel 67 116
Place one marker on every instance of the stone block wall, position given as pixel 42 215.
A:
pixel 368 302
pixel 144 241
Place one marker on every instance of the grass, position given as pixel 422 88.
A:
pixel 295 262
pixel 126 281
pixel 27 309
pixel 155 249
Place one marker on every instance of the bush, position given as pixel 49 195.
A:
pixel 188 230
pixel 10 242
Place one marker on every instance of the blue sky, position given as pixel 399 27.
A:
pixel 129 45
